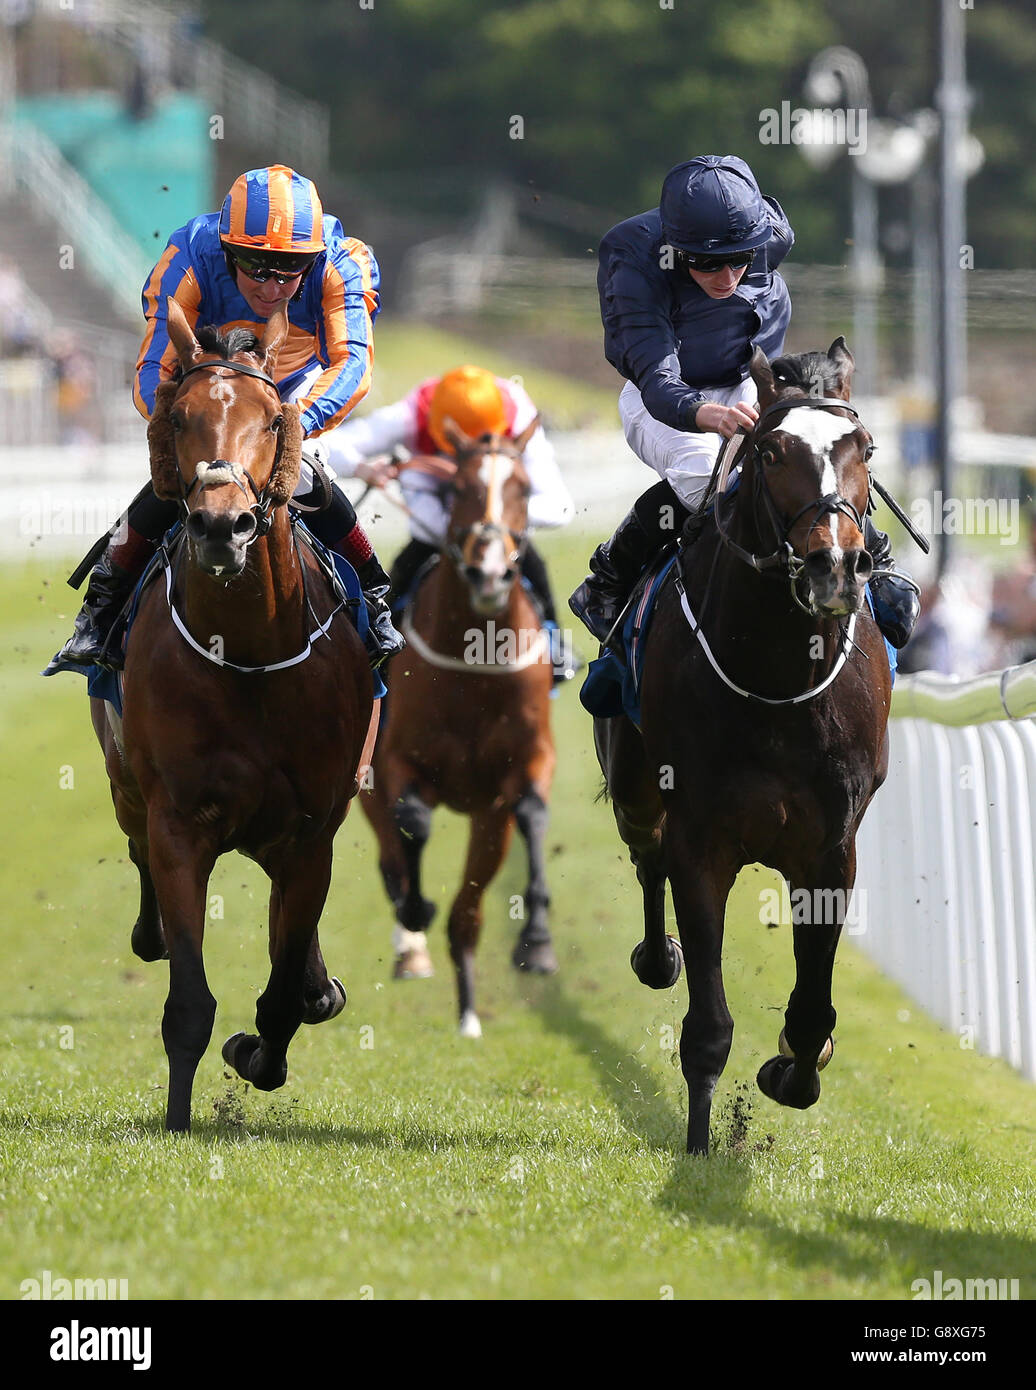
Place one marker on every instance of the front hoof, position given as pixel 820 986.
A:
pixel 329 1005
pixel 652 977
pixel 777 1080
pixel 535 957
pixel 826 1052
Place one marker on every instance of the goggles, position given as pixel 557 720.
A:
pixel 262 266
pixel 708 264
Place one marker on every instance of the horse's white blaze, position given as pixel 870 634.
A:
pixel 494 471
pixel 821 431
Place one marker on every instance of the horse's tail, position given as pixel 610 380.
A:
pixel 604 794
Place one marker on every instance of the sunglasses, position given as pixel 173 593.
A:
pixel 708 264
pixel 259 268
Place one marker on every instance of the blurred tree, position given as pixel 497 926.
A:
pixel 609 94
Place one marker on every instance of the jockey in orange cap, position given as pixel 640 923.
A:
pixel 269 245
pixel 479 403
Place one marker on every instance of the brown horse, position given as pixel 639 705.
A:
pixel 230 737
pixel 468 720
pixel 764 706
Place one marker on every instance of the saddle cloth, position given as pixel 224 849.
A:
pixel 102 684
pixel 612 687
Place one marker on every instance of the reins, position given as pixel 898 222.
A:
pixel 262 509
pixel 782 561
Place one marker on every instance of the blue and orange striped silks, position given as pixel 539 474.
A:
pixel 330 325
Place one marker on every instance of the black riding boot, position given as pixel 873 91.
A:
pixel 94 640
pixel 897 601
pixel 382 640
pixel 97 637
pixel 615 568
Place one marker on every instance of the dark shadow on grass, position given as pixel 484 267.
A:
pixel 634 1091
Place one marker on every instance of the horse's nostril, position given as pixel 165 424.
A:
pixel 244 526
pixel 818 563
pixel 195 526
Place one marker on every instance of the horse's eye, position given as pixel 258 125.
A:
pixel 868 453
pixel 276 423
pixel 768 457
pixel 176 421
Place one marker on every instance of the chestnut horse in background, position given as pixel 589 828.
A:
pixel 468 720
pixel 765 698
pixel 248 705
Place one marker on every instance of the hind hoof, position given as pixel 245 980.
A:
pixel 415 964
pixel 470 1027
pixel 669 974
pixel 237 1052
pixel 329 1005
pixel 535 957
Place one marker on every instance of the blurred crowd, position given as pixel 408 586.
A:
pixel 976 618
pixel 58 364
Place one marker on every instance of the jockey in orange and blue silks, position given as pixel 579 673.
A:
pixel 269 244
pixel 274 215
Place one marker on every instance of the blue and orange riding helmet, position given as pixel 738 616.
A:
pixel 271 222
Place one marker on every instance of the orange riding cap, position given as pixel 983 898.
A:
pixel 471 398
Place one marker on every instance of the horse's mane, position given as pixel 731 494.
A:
pixel 226 344
pixel 806 370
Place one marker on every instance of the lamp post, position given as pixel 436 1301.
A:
pixel 835 72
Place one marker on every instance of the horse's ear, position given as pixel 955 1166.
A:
pixel 844 363
pixel 453 432
pixel 181 334
pixel 762 375
pixel 285 476
pixel 165 471
pixel 521 443
pixel 273 338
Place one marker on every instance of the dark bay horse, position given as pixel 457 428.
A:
pixel 233 737
pixel 468 721
pixel 764 704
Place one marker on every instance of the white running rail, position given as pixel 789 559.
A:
pixel 946 858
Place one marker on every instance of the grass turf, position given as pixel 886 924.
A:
pixel 400 1161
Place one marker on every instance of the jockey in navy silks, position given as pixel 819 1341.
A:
pixel 687 291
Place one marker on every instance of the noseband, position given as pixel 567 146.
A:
pixel 262 508
pixel 783 561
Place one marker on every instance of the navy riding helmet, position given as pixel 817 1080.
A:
pixel 711 205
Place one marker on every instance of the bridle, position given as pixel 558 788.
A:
pixel 262 508
pixel 783 561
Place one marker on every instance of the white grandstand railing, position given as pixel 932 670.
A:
pixel 946 858
pixel 60 195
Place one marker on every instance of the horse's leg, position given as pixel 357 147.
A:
pixel 146 938
pixel 324 995
pixel 639 816
pixel 301 877
pixel 181 862
pixel 700 887
pixel 489 836
pixel 806 1043
pixel 413 821
pixel 534 951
